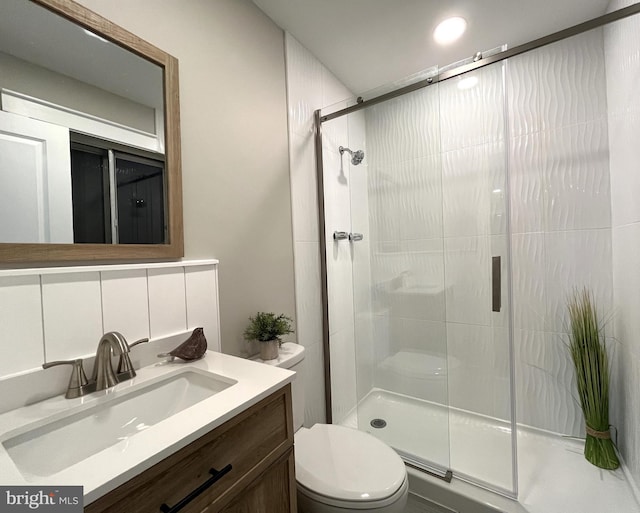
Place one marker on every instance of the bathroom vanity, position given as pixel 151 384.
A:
pixel 257 444
pixel 211 435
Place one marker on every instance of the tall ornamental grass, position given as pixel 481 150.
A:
pixel 589 354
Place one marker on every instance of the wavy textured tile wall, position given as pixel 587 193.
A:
pixel 622 54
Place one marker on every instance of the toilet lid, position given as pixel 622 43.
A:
pixel 346 464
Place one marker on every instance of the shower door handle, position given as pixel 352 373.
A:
pixel 340 235
pixel 496 284
pixel 355 237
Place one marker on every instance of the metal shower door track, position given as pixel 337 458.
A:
pixel 500 56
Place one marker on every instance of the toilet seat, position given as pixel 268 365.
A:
pixel 347 468
pixel 351 505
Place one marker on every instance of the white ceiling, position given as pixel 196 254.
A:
pixel 369 43
pixel 36 35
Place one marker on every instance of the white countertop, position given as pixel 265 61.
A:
pixel 111 467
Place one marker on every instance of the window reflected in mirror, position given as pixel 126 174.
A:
pixel 118 196
pixel 78 91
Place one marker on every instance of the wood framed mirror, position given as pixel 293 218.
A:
pixel 120 147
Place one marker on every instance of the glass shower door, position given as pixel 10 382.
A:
pixel 476 261
pixel 399 279
pixel 418 276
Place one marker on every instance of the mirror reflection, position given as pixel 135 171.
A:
pixel 82 154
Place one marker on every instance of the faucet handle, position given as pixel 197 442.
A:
pixel 78 383
pixel 125 367
pixel 141 341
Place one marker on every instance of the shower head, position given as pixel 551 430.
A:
pixel 356 156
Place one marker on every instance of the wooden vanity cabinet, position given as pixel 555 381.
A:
pixel 257 444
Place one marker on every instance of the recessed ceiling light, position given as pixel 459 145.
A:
pixel 449 30
pixel 467 83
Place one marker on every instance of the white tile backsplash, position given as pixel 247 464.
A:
pixel 20 324
pixel 202 310
pixel 62 312
pixel 72 313
pixel 125 303
pixel 167 301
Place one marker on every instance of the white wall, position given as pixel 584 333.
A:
pixel 237 205
pixel 560 216
pixel 622 54
pixel 26 78
pixel 348 274
pixel 311 86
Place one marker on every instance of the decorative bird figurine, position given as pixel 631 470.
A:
pixel 191 349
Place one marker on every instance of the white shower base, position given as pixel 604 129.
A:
pixel 553 475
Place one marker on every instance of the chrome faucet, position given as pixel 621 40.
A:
pixel 125 367
pixel 112 343
pixel 79 385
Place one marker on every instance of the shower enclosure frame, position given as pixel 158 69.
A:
pixel 362 103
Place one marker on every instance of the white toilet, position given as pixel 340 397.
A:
pixel 339 469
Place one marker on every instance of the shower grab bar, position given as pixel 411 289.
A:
pixel 496 283
pixel 340 235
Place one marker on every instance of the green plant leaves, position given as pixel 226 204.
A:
pixel 589 354
pixel 267 326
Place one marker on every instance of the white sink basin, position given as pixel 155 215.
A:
pixel 48 449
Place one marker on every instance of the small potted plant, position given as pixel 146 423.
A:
pixel 591 363
pixel 267 328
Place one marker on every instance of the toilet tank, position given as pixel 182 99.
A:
pixel 291 356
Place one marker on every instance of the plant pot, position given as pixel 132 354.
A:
pixel 269 350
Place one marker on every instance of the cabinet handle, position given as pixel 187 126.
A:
pixel 215 476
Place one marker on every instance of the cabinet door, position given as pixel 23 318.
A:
pixel 273 492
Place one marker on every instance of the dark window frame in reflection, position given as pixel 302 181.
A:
pixel 120 197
